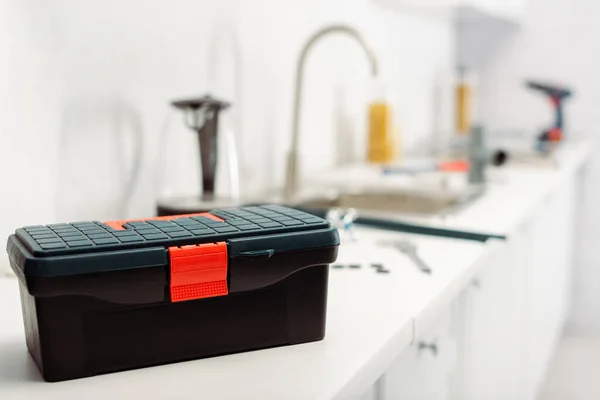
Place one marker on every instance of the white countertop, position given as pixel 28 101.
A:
pixel 515 190
pixel 371 317
pixel 369 321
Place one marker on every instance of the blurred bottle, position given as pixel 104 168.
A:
pixel 382 141
pixel 463 102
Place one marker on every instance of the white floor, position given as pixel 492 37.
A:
pixel 575 371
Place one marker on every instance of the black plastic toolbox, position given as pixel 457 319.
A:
pixel 104 297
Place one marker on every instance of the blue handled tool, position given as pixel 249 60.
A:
pixel 557 95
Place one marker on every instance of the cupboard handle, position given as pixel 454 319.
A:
pixel 429 346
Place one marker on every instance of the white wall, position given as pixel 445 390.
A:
pixel 27 115
pixel 81 76
pixel 557 43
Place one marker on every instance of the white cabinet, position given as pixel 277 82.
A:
pixel 489 332
pixel 549 281
pixel 370 394
pixel 482 26
pixel 494 321
pixel 422 370
pixel 515 309
pixel 500 9
pixel 496 338
pixel 509 9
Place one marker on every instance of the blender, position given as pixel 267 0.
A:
pixel 194 159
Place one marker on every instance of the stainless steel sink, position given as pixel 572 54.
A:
pixel 418 203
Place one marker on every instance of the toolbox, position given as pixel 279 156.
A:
pixel 101 297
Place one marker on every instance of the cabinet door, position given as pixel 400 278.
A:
pixel 513 9
pixel 515 310
pixel 492 343
pixel 370 394
pixel 549 280
pixel 422 370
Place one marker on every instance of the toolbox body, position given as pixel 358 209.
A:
pixel 104 297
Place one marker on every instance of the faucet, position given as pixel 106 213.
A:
pixel 478 155
pixel 291 182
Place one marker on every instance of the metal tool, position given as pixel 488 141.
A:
pixel 380 268
pixel 291 183
pixel 343 220
pixel 409 249
pixel 556 95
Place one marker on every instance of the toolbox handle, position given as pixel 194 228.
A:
pixel 258 254
pixel 299 240
pixel 257 262
pixel 251 273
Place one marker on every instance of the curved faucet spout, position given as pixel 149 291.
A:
pixel 291 183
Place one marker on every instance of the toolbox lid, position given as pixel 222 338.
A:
pixel 92 246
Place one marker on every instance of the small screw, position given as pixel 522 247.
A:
pixel 379 268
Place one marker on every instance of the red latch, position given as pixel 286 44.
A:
pixel 198 271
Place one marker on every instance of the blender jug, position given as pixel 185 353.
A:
pixel 196 159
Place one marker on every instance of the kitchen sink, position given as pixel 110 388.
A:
pixel 407 209
pixel 418 203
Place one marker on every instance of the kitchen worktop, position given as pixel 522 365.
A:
pixel 370 319
pixel 371 316
pixel 515 190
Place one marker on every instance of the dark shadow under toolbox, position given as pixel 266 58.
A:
pixel 104 297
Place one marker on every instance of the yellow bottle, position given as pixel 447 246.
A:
pixel 381 143
pixel 463 104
